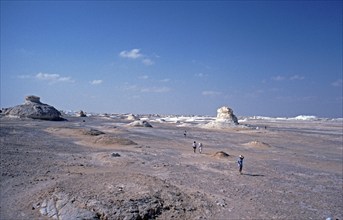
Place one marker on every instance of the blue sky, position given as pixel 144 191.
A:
pixel 281 58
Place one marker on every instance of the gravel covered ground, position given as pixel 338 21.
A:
pixel 104 169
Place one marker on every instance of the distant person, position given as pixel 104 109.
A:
pixel 200 147
pixel 185 134
pixel 194 146
pixel 240 163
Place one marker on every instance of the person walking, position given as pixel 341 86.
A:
pixel 200 147
pixel 240 163
pixel 194 146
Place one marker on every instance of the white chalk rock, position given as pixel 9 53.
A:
pixel 33 108
pixel 225 119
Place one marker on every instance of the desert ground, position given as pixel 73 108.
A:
pixel 101 168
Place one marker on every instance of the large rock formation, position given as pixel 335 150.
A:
pixel 33 108
pixel 225 118
pixel 225 114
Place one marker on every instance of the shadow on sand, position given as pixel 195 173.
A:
pixel 250 174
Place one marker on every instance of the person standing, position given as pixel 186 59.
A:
pixel 240 163
pixel 200 147
pixel 194 146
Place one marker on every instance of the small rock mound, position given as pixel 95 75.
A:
pixel 140 124
pixel 33 108
pixel 220 155
pixel 115 154
pixel 132 117
pixel 82 114
pixel 258 144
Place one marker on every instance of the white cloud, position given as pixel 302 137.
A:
pixel 165 80
pixel 254 94
pixel 202 64
pixel 337 83
pixel 278 78
pixel 96 82
pixel 132 54
pixel 156 89
pixel 211 93
pixel 136 54
pixel 296 77
pixel 128 87
pixel 296 98
pixel 147 62
pixel 135 88
pixel 64 79
pixel 284 78
pixel 47 76
pixel 52 78
pixel 144 77
pixel 200 75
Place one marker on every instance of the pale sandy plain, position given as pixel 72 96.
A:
pixel 58 170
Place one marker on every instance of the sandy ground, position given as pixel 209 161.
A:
pixel 63 170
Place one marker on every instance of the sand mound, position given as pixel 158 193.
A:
pixel 91 137
pixel 257 144
pixel 111 140
pixel 91 132
pixel 220 155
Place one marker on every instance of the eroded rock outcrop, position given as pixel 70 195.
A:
pixel 82 114
pixel 62 206
pixel 33 108
pixel 140 124
pixel 112 199
pixel 225 114
pixel 225 118
pixel 132 117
